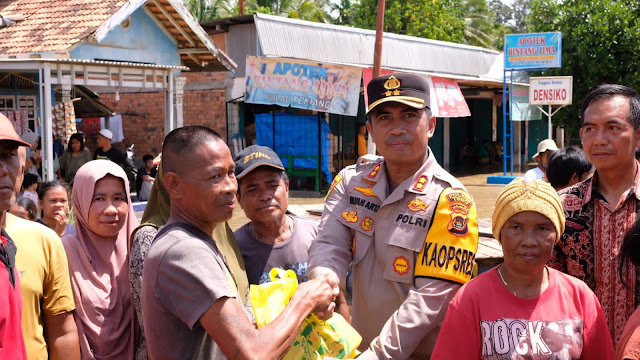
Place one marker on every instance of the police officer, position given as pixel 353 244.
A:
pixel 407 226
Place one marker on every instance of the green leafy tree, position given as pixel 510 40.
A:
pixel 204 10
pixel 599 41
pixel 519 13
pixel 502 11
pixel 344 11
pixel 480 27
pixel 440 20
pixel 509 19
pixel 312 10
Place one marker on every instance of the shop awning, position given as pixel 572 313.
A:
pixel 89 104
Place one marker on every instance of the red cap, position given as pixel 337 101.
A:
pixel 8 133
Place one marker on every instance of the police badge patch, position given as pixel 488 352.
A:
pixel 374 172
pixel 367 224
pixel 459 204
pixel 420 183
pixel 350 216
pixel 336 181
pixel 401 265
pixel 416 205
pixel 366 191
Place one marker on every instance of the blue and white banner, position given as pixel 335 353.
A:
pixel 303 84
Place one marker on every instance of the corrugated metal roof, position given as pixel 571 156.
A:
pixel 298 39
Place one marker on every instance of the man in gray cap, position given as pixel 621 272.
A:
pixel 407 226
pixel 271 238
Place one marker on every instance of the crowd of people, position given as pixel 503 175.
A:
pixel 176 285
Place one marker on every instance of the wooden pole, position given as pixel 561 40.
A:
pixel 240 7
pixel 377 52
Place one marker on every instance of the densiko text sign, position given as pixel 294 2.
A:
pixel 303 84
pixel 533 51
pixel 552 90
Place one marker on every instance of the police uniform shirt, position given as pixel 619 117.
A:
pixel 411 250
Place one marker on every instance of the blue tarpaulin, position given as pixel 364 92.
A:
pixel 296 135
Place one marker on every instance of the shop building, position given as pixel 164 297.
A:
pixel 324 139
pixel 59 58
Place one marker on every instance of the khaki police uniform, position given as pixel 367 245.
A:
pixel 411 250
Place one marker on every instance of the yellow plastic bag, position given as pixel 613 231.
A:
pixel 317 338
pixel 335 338
pixel 269 299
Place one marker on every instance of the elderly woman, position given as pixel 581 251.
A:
pixel 98 261
pixel 523 309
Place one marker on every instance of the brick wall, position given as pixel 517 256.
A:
pixel 143 113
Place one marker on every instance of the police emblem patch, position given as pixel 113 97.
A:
pixel 374 172
pixel 367 224
pixel 416 205
pixel 366 191
pixel 401 265
pixel 392 83
pixel 459 204
pixel 420 183
pixel 336 181
pixel 369 181
pixel 350 216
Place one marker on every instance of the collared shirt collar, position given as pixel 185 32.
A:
pixel 591 187
pixel 423 176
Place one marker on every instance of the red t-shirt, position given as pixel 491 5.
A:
pixel 486 321
pixel 11 340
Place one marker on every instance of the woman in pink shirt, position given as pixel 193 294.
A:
pixel 523 309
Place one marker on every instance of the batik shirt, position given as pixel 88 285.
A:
pixel 589 247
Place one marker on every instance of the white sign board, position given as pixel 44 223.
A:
pixel 551 90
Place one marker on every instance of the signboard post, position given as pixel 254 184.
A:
pixel 551 90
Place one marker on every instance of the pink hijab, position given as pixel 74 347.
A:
pixel 99 272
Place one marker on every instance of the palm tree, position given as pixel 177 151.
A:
pixel 312 10
pixel 210 9
pixel 344 10
pixel 479 26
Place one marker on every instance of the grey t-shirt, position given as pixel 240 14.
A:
pixel 184 274
pixel 260 258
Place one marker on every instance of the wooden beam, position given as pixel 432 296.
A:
pixel 195 58
pixel 194 51
pixel 174 23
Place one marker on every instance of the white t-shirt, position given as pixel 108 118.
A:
pixel 534 174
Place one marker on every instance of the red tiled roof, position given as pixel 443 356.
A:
pixel 56 25
pixel 52 25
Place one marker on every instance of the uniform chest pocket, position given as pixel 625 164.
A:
pixel 362 225
pixel 403 245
